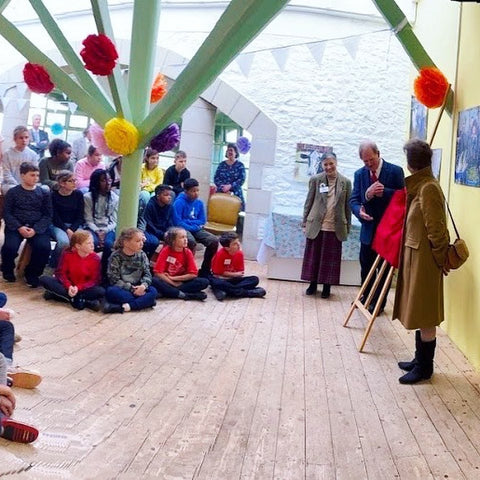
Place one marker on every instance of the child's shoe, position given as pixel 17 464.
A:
pixel 112 308
pixel 258 292
pixel 219 295
pixel 195 296
pixel 92 305
pixel 17 431
pixel 22 378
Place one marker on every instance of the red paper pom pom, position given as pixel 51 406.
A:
pixel 99 54
pixel 159 88
pixel 430 87
pixel 37 78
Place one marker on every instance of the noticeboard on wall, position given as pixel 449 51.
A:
pixel 308 160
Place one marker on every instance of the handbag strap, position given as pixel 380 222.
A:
pixel 449 213
pixel 451 218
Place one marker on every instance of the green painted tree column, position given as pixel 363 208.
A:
pixel 142 61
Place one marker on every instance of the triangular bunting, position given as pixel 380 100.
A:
pixel 317 50
pixel 351 44
pixel 245 61
pixel 72 106
pixel 281 56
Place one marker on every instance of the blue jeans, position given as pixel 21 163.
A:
pixel 151 244
pixel 61 293
pixel 7 333
pixel 120 296
pixel 143 199
pixel 234 286
pixel 40 244
pixel 62 241
pixel 107 248
pixel 191 286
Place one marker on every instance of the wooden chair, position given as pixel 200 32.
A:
pixel 222 213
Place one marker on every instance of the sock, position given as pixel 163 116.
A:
pixel 181 294
pixel 126 307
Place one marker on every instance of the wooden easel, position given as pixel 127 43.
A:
pixel 363 307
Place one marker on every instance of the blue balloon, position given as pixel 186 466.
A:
pixel 56 128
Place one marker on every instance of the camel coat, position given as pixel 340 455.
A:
pixel 316 207
pixel 419 292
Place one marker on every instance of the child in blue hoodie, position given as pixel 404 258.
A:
pixel 189 213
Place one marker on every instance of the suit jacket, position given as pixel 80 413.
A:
pixel 40 146
pixel 392 177
pixel 316 207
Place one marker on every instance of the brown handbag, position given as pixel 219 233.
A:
pixel 457 253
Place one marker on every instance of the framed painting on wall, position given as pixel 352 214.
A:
pixel 418 120
pixel 467 158
pixel 308 160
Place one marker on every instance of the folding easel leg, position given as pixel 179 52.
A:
pixel 362 290
pixel 383 294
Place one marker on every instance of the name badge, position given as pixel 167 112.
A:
pixel 323 188
pixel 227 261
pixel 171 259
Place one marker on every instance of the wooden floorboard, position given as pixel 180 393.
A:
pixel 271 388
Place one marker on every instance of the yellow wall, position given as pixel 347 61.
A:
pixel 450 34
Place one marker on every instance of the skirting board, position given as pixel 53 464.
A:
pixel 291 268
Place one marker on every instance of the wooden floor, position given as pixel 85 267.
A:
pixel 268 388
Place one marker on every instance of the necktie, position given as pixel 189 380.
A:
pixel 374 177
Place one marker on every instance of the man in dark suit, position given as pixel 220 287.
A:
pixel 373 189
pixel 38 138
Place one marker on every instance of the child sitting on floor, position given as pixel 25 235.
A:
pixel 11 429
pixel 17 377
pixel 176 271
pixel 77 277
pixel 228 269
pixel 129 275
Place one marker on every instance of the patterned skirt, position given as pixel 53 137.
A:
pixel 322 258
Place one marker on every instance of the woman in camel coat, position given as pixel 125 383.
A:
pixel 419 293
pixel 326 220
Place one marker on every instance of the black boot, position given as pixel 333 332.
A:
pixel 408 366
pixel 326 290
pixel 92 305
pixel 112 308
pixel 312 289
pixel 258 292
pixel 78 302
pixel 195 296
pixel 423 370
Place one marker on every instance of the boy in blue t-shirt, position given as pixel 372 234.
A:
pixel 189 213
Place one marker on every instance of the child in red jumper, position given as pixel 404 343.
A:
pixel 78 275
pixel 176 274
pixel 228 269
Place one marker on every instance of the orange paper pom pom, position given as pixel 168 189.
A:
pixel 159 88
pixel 430 87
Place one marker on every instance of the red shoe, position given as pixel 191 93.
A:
pixel 17 431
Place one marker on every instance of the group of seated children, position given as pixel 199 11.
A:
pixel 125 273
pixel 131 285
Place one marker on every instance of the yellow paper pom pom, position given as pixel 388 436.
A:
pixel 121 136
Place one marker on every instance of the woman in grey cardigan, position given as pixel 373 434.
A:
pixel 326 221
